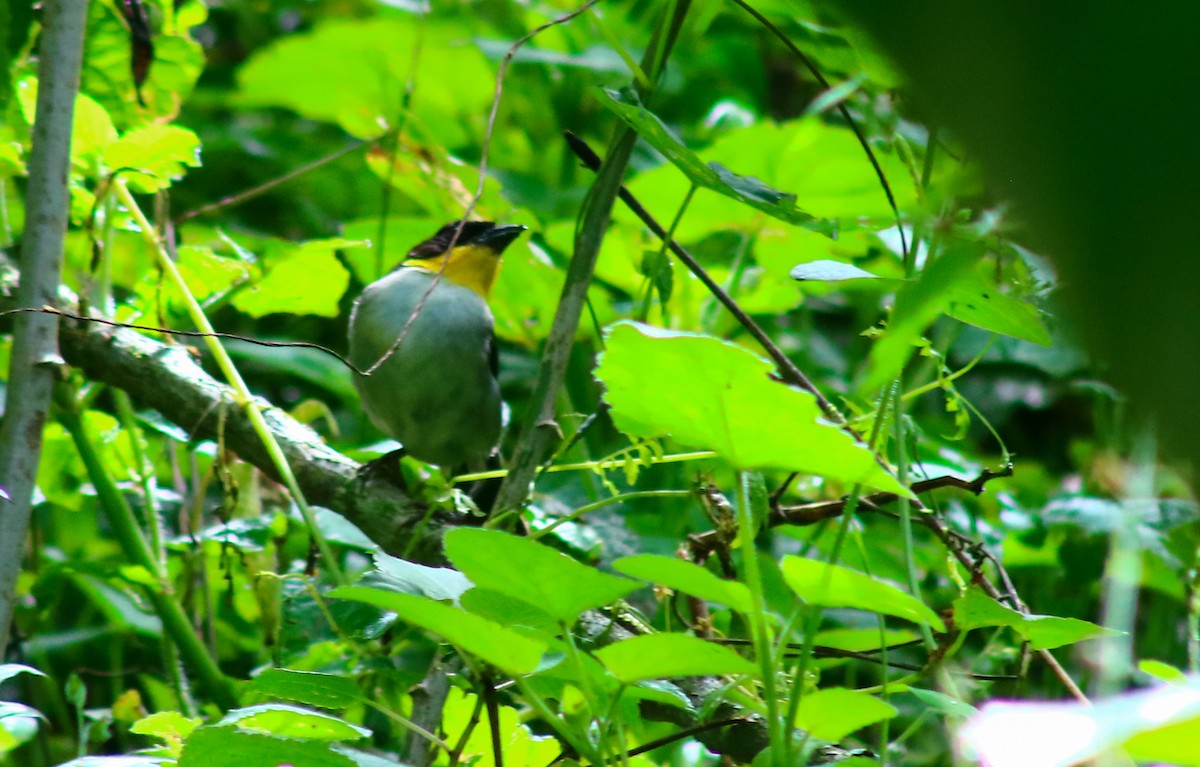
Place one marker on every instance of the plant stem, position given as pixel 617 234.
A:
pixel 138 551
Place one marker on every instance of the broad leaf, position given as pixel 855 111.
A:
pixel 491 642
pixel 1044 632
pixel 708 393
pixel 819 583
pixel 834 713
pixel 308 687
pixel 395 574
pixel 664 656
pixel 293 722
pixel 829 271
pixel 160 153
pixel 686 577
pixel 228 746
pixel 532 572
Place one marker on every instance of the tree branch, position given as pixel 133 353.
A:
pixel 34 359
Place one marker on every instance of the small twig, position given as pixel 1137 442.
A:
pixel 186 333
pixel 678 736
pixel 787 369
pixel 841 107
pixel 250 194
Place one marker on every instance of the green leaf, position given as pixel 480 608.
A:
pixel 395 574
pixel 504 649
pixel 686 577
pixel 1044 632
pixel 354 73
pixel 227 746
pixel 664 656
pixel 829 271
pixel 308 687
pixel 714 176
pixel 1164 672
pixel 819 583
pixel 160 152
pixel 942 703
pixel 10 670
pixel 834 713
pixel 293 722
pixel 300 279
pixel 917 305
pixel 537 574
pixel 508 610
pixel 708 393
pixel 978 302
pixel 91 128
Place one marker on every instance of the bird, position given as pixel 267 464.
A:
pixel 428 332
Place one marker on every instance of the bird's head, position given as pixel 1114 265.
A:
pixel 468 257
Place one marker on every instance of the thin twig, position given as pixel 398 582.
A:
pixel 250 194
pixel 787 369
pixel 841 107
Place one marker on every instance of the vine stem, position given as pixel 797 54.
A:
pixel 242 395
pixel 539 426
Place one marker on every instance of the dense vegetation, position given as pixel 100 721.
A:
pixel 820 465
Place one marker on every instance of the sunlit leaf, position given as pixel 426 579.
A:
pixel 160 153
pixel 530 571
pixel 834 713
pixel 708 393
pixel 662 656
pixel 301 279
pixel 687 577
pixel 489 641
pixel 308 687
pixel 1044 632
pixel 819 583
pixel 293 722
pixel 829 271
pixel 228 746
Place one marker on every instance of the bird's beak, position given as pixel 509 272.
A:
pixel 500 237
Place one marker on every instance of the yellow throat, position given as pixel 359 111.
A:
pixel 472 266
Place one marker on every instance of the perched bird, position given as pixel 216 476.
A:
pixel 428 327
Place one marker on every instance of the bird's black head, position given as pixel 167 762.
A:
pixel 496 237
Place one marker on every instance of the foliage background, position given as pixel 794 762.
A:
pixel 393 100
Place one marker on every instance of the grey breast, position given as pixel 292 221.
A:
pixel 436 393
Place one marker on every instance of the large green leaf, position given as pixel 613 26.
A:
pixel 687 577
pixel 227 746
pixel 1044 632
pixel 834 713
pixel 293 722
pixel 491 642
pixel 355 73
pixel 532 572
pixel 160 153
pixel 300 279
pixel 917 305
pixel 714 176
pixel 820 583
pixel 308 687
pixel 709 393
pixel 400 575
pixel 662 656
